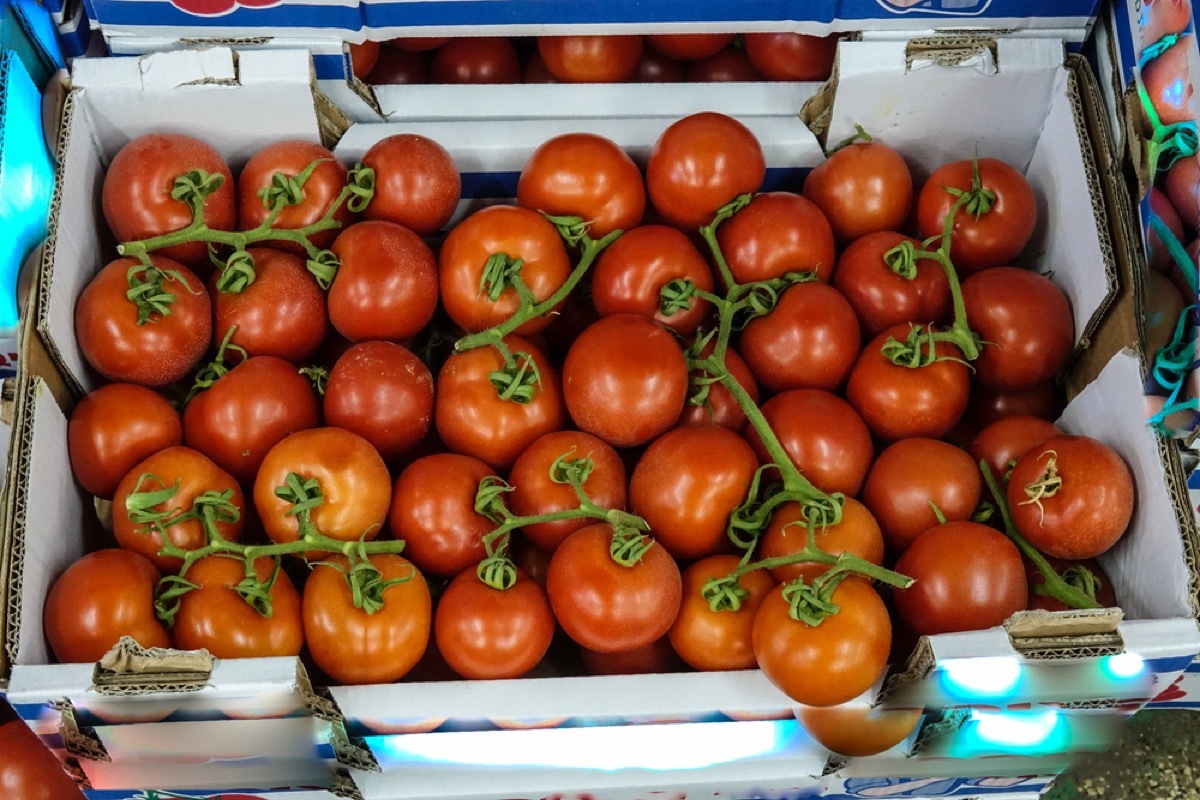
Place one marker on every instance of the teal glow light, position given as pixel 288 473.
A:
pixel 1123 666
pixel 1025 733
pixel 969 679
pixel 682 746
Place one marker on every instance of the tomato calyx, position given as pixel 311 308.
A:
pixel 519 380
pixel 287 190
pixel 501 271
pixel 236 272
pixel 574 230
pixel 366 582
pixel 977 200
pixel 146 290
pixel 194 186
pixel 1045 486
pixel 812 603
pixel 323 265
pixel 318 376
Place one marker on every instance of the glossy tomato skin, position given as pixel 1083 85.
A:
pixel 777 233
pixel 730 65
pixel 484 59
pixel 591 59
pixel 486 633
pixel 29 770
pixel 1182 186
pixel 1162 17
pixel 993 239
pixel 214 617
pixel 353 646
pixel 719 407
pixel 699 164
pixel 1043 400
pixel 517 232
pixel 786 56
pixel 136 197
pixel 396 66
pixel 968 577
pixel 320 190
pixel 862 188
pixel 159 352
pixel 830 663
pixel 419 44
pixel 584 175
pixel 113 428
pixel 98 599
pixel 1002 443
pixel 247 411
pixel 194 474
pixel 363 57
pixel 655 658
pixel 433 510
pixel 717 640
pixel 625 380
pixel 387 285
pixel 857 730
pixel 417 183
pixel 689 46
pixel 881 298
pixel 1169 79
pixel 1092 508
pixel 857 533
pixel 605 606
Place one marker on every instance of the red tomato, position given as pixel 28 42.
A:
pixel 862 188
pixel 193 474
pixel 417 183
pixel 858 533
pixel 387 285
pixel 1162 17
pixel 1170 78
pixel 881 298
pixel 1164 304
pixel 689 46
pixel 419 44
pixel 398 66
pixel 717 640
pixel 654 67
pixel 164 348
pixel 606 606
pixel 137 199
pixel 216 618
pixel 777 233
pixel 524 236
pixel 29 770
pixel 1002 443
pixel 354 646
pixel 1087 512
pixel 968 577
pixel 718 406
pixel 1182 186
pixel 857 730
pixel 584 175
pixel 988 405
pixel 1105 595
pixel 486 633
pixel 625 380
pixel 363 57
pixel 1157 254
pixel 535 70
pixel 591 59
pixel 791 56
pixel 98 599
pixel 699 164
pixel 988 239
pixel 849 650
pixel 631 272
pixel 115 427
pixel 728 65
pixel 654 658
pixel 476 59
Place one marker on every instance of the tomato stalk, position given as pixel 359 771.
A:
pixel 214 370
pixel 146 290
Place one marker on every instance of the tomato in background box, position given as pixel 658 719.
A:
pixel 396 66
pixel 319 191
pixel 1043 400
pixel 535 70
pixel 136 196
pixel 689 46
pixel 29 770
pixel 653 658
pixel 718 640
pixel 654 67
pixel 1105 595
pixel 857 533
pixel 730 65
pixel 419 44
pixel 1182 186
pixel 1002 443
pixel 363 57
pixel 1161 17
pixel 718 407
pixel 1158 257
pixel 475 60
pixel 777 233
pixel 433 510
pixel 862 188
pixel 113 428
pixel 1164 304
pixel 1169 79
pixel 858 730
pixel 882 298
pixel 591 59
pixel 417 183
pixel 789 56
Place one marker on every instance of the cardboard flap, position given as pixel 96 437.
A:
pixel 129 667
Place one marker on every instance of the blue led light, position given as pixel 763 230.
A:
pixel 992 678
pixel 1123 666
pixel 1025 733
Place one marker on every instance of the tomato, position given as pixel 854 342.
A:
pixel 214 616
pixel 1002 443
pixel 881 298
pixel 476 59
pixel 1162 17
pixel 535 70
pixel 319 191
pixel 382 392
pixel 857 533
pixel 863 188
pixel 717 640
pixel 584 175
pixel 1182 186
pixel 625 380
pixel 591 59
pixel 398 66
pixel 1026 322
pixel 686 484
pixel 387 285
pixel 29 770
pixel 354 646
pixel 433 510
pixel 968 577
pixel 791 56
pixel 830 663
pixel 689 46
pixel 655 658
pixel 159 351
pixel 524 236
pixel 419 44
pixel 777 233
pixel 988 239
pixel 283 313
pixel 911 474
pixel 98 599
pixel 699 164
pixel 354 483
pixel 1105 595
pixel 654 67
pixel 136 197
pixel 363 57
pixel 988 405
pixel 899 402
pixel 810 340
pixel 1158 257
pixel 193 474
pixel 728 65
pixel 1163 306
pixel 247 411
pixel 535 493
pixel 718 407
pixel 115 427
pixel 631 272
pixel 417 183
pixel 1088 511
pixel 1169 79
pixel 857 730
pixel 486 633
pixel 604 605
pixel 826 439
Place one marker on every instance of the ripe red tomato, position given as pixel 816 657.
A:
pixel 718 406
pixel 1105 595
pixel 193 474
pixel 857 730
pixel 486 633
pixel 625 380
pixel 216 618
pixel 98 599
pixel 791 56
pixel 363 57
pixel 699 164
pixel 988 239
pixel 717 640
pixel 591 59
pixel 968 577
pixel 1088 512
pixel 29 770
pixel 777 233
pixel 654 67
pixel 476 59
pixel 858 533
pixel 137 200
pixel 988 405
pixel 419 44
pixel 584 175
pixel 354 646
pixel 689 46
pixel 161 350
pixel 1182 186
pixel 1162 17
pixel 396 66
pixel 655 658
pixel 417 183
pixel 115 427
pixel 728 65
pixel 881 298
pixel 1169 79
pixel 1164 304
pixel 604 605
pixel 849 650
pixel 862 188
pixel 1002 443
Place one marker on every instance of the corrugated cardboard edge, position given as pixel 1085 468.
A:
pixel 79 742
pixel 352 751
pixel 1171 455
pixel 934 727
pixel 343 785
pixel 130 669
pixel 317 700
pixel 833 764
pixel 919 666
